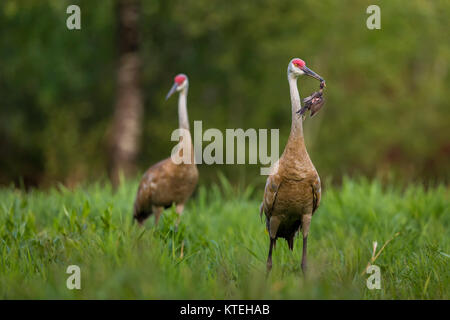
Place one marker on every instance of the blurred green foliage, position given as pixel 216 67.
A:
pixel 387 93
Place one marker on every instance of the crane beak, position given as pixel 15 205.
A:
pixel 172 90
pixel 311 73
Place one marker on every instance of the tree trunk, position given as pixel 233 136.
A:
pixel 126 127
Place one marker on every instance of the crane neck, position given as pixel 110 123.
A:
pixel 182 110
pixel 183 120
pixel 297 122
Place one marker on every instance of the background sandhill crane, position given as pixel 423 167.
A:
pixel 292 191
pixel 166 182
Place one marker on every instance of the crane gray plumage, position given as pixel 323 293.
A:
pixel 292 192
pixel 169 182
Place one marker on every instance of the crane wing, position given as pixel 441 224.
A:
pixel 155 177
pixel 317 193
pixel 270 194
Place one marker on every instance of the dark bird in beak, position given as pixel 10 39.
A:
pixel 315 101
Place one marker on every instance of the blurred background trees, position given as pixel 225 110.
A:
pixel 387 110
pixel 126 128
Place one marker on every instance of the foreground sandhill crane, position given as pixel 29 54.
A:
pixel 292 191
pixel 168 182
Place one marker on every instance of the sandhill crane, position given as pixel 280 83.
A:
pixel 292 192
pixel 167 182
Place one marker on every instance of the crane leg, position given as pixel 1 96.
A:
pixel 269 258
pixel 157 211
pixel 179 210
pixel 304 255
pixel 306 221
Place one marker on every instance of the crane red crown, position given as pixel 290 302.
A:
pixel 179 79
pixel 299 63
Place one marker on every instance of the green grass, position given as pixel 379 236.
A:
pixel 224 245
